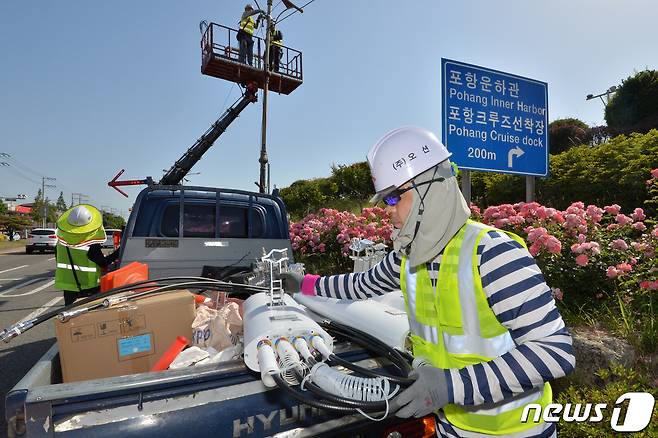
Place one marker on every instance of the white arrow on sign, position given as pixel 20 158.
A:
pixel 516 152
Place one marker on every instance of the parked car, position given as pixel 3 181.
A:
pixel 41 239
pixel 109 240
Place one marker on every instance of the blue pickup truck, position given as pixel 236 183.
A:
pixel 177 231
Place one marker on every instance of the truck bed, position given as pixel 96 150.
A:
pixel 220 400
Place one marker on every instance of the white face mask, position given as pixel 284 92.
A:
pixel 444 212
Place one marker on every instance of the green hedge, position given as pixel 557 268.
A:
pixel 614 172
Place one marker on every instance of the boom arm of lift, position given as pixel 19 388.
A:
pixel 193 154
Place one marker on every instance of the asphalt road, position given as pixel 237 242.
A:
pixel 26 291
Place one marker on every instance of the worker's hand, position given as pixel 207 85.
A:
pixel 427 394
pixel 292 282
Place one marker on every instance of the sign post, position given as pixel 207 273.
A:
pixel 495 121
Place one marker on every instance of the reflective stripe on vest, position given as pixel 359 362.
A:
pixel 77 268
pixel 274 42
pixel 453 326
pixel 87 271
pixel 247 24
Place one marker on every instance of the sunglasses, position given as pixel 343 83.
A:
pixel 394 197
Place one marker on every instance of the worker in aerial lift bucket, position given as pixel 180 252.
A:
pixel 79 258
pixel 245 35
pixel 485 331
pixel 276 48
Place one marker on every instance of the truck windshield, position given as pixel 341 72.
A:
pixel 200 221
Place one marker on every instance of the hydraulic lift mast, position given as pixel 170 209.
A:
pixel 219 59
pixel 185 163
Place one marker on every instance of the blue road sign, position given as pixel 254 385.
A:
pixel 494 121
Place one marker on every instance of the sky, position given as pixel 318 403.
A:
pixel 90 87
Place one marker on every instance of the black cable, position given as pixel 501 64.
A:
pixel 301 7
pixel 369 373
pixel 371 343
pixel 299 396
pixel 366 406
pixel 193 282
pixel 195 285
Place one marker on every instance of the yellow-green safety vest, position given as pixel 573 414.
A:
pixel 274 42
pixel 454 326
pixel 87 272
pixel 248 24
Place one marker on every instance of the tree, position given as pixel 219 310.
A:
pixel 38 208
pixel 304 196
pixel 61 203
pixel 634 107
pixel 563 134
pixel 11 223
pixel 113 221
pixel 353 181
pixel 3 208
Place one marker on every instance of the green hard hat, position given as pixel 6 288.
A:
pixel 81 223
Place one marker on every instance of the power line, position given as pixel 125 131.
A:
pixel 23 166
pixel 18 165
pixel 16 171
pixel 302 7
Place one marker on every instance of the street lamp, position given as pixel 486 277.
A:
pixel 607 94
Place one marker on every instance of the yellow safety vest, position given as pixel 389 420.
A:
pixel 274 42
pixel 454 326
pixel 248 24
pixel 88 273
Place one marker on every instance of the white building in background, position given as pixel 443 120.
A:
pixel 12 201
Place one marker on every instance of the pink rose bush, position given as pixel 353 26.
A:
pixel 587 251
pixel 609 243
pixel 321 240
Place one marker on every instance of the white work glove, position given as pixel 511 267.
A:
pixel 427 394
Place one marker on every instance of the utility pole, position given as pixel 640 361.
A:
pixel 263 149
pixel 43 197
pixel 80 196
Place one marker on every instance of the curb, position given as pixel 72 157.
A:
pixel 13 250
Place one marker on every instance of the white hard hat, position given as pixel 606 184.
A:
pixel 402 155
pixel 80 216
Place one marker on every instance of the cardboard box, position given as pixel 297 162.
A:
pixel 125 339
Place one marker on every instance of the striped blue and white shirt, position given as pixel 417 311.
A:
pixel 522 302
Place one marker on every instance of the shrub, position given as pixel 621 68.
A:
pixel 595 258
pixel 564 134
pixel 613 383
pixel 612 172
pixel 321 241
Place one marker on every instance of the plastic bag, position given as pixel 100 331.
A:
pixel 218 329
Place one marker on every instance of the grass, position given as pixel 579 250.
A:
pixel 16 244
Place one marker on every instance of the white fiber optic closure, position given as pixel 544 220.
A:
pixel 262 321
pixel 386 322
